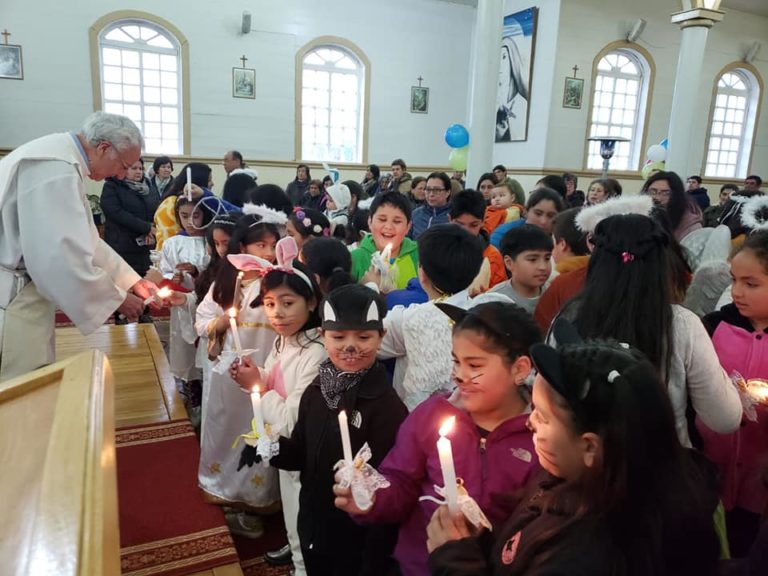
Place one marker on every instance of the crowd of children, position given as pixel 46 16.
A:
pixel 601 427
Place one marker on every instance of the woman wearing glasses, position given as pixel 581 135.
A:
pixel 667 189
pixel 436 205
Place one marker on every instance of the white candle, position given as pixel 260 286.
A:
pixel 161 294
pixel 386 254
pixel 189 184
pixel 346 443
pixel 233 326
pixel 236 297
pixel 445 453
pixel 257 415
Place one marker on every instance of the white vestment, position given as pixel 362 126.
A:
pixel 50 253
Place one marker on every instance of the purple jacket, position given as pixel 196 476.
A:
pixel 491 468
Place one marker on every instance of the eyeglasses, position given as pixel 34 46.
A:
pixel 656 193
pixel 433 190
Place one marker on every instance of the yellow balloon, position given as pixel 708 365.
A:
pixel 458 158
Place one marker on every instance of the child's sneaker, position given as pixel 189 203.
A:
pixel 244 524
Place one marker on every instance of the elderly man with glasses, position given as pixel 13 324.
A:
pixel 435 209
pixel 51 254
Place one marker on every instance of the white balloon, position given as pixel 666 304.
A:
pixel 657 153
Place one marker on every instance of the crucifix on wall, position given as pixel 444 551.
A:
pixel 243 81
pixel 11 66
pixel 419 98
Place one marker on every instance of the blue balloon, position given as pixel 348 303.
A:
pixel 456 136
pixel 664 143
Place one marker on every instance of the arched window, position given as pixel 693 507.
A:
pixel 141 77
pixel 619 101
pixel 732 124
pixel 332 103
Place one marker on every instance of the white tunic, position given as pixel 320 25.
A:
pixel 46 227
pixel 227 411
pixel 177 250
pixel 291 367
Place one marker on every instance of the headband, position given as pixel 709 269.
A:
pixel 285 252
pixel 268 215
pixel 754 214
pixel 588 218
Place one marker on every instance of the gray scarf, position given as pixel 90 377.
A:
pixel 140 188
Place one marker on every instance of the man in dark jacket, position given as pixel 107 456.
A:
pixel 698 193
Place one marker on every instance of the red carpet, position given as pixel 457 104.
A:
pixel 166 529
pixel 251 552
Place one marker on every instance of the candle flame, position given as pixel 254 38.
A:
pixel 232 313
pixel 240 274
pixel 447 426
pixel 164 292
pixel 256 389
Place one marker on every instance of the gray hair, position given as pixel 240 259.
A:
pixel 118 130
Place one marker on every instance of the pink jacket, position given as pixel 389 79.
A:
pixel 742 456
pixel 491 468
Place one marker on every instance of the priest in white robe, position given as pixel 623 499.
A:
pixel 51 254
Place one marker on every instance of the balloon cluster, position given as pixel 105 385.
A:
pixel 457 137
pixel 656 157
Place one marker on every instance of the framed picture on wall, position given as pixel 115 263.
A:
pixel 513 96
pixel 243 83
pixel 419 100
pixel 11 66
pixel 573 92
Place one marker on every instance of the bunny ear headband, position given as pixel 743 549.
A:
pixel 285 251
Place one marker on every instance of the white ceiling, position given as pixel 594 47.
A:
pixel 758 7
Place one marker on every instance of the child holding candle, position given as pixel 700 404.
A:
pixel 351 380
pixel 182 259
pixel 227 413
pixel 740 335
pixel 389 220
pixel 620 494
pixel 492 449
pixel 290 299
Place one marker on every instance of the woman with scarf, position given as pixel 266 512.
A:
pixel 129 207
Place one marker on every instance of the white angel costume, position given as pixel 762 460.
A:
pixel 177 250
pixel 227 410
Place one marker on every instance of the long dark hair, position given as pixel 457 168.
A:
pixel 330 260
pixel 628 292
pixel 318 226
pixel 248 230
pixel 276 278
pixel 201 175
pixel 226 223
pixel 238 189
pixel 649 495
pixel 678 199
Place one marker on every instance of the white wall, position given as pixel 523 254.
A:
pixel 587 26
pixel 402 39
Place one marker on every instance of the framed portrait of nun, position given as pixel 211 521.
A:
pixel 513 95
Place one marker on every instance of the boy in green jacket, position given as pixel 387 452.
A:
pixel 389 222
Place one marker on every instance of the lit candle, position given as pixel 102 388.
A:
pixel 233 326
pixel 188 187
pixel 445 453
pixel 257 415
pixel 236 297
pixel 346 443
pixel 161 294
pixel 758 390
pixel 386 254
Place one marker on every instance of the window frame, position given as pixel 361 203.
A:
pixel 645 61
pixel 346 46
pixel 132 16
pixel 754 103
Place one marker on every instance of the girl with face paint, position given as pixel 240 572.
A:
pixel 492 448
